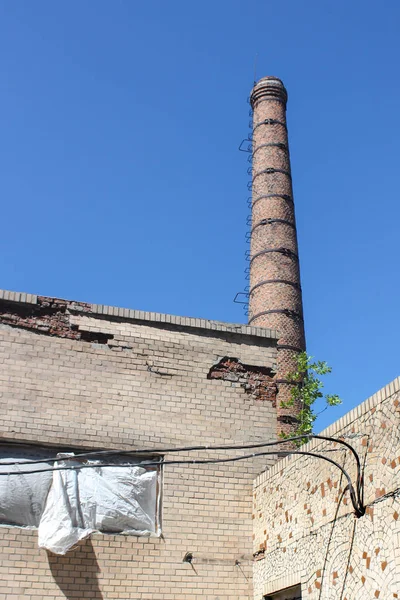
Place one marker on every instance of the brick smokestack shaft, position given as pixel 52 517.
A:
pixel 275 293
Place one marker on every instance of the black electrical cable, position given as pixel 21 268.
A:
pixel 164 450
pixel 359 509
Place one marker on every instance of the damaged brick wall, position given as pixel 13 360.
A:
pixel 257 381
pixel 147 388
pixel 50 316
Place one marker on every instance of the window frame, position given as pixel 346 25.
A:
pixel 28 450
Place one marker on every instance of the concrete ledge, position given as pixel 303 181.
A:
pixel 18 297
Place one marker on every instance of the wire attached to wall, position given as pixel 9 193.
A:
pixel 356 493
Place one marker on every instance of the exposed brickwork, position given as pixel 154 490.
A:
pixel 49 316
pixel 256 381
pixel 274 264
pixel 149 386
pixel 304 526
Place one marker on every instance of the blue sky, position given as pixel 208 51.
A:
pixel 122 183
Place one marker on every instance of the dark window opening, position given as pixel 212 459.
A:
pixel 292 593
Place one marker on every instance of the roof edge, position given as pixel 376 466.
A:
pixel 144 316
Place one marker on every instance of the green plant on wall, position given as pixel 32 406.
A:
pixel 307 389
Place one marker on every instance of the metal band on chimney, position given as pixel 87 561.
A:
pixel 289 347
pixel 268 87
pixel 285 197
pixel 284 251
pixel 272 197
pixel 269 281
pixel 291 314
pixel 271 221
pixel 271 145
pixel 270 122
pixel 271 171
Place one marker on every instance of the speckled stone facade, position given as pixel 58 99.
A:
pixel 275 292
pixel 305 530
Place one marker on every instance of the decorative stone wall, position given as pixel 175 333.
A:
pixel 305 530
pixel 88 376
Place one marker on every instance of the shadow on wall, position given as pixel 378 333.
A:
pixel 76 572
pixel 331 542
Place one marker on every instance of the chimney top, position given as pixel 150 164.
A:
pixel 270 87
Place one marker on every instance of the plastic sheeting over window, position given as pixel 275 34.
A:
pixel 23 497
pixel 110 499
pixel 69 505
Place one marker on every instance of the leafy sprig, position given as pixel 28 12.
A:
pixel 307 389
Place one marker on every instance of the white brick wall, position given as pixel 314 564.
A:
pixel 70 392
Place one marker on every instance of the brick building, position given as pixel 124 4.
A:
pixel 79 377
pixel 125 389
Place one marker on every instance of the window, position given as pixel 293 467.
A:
pixel 23 497
pixel 292 593
pixel 69 504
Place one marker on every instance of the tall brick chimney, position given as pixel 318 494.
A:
pixel 275 293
